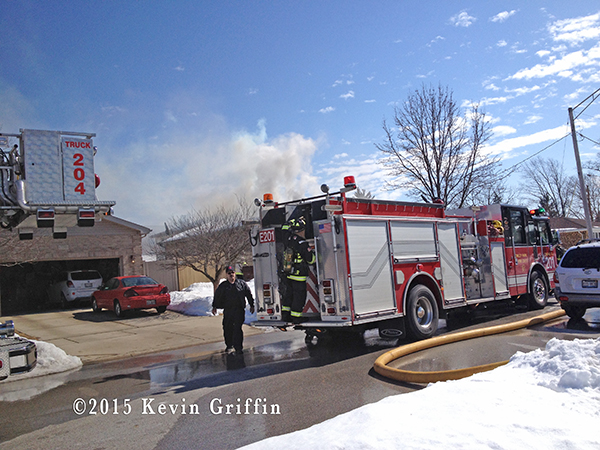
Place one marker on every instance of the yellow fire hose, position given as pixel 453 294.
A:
pixel 381 364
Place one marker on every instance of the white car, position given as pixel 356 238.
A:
pixel 577 279
pixel 74 285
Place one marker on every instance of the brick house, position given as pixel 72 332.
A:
pixel 113 246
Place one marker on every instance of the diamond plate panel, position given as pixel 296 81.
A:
pixel 43 166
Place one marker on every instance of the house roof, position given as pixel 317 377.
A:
pixel 114 219
pixel 567 223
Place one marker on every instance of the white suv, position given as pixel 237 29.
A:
pixel 577 279
pixel 74 285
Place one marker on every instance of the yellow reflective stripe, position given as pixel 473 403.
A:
pixel 296 314
pixel 313 259
pixel 286 308
pixel 296 278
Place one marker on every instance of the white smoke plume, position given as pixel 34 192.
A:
pixel 153 182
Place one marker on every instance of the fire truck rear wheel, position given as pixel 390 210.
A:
pixel 421 313
pixel 538 288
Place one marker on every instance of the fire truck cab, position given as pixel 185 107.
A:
pixel 400 266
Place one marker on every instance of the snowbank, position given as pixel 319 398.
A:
pixel 545 399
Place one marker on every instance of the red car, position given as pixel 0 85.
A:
pixel 122 294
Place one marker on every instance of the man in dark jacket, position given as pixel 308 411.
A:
pixel 231 296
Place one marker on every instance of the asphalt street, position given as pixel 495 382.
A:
pixel 280 382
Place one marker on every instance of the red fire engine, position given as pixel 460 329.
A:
pixel 400 266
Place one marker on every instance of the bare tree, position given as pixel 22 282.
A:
pixel 550 187
pixel 593 197
pixel 493 192
pixel 435 151
pixel 209 240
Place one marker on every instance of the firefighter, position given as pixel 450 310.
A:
pixel 231 296
pixel 298 256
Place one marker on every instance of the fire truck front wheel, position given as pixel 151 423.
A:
pixel 421 313
pixel 538 288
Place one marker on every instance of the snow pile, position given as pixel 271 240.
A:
pixel 563 365
pixel 196 300
pixel 51 359
pixel 546 399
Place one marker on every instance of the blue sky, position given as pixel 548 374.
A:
pixel 195 102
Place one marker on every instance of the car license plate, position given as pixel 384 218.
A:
pixel 589 284
pixel 88 284
pixel 150 302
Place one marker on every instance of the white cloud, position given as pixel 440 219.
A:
pixel 370 101
pixel 523 90
pixel 462 19
pixel 503 130
pixel 543 53
pixel 508 145
pixel 179 68
pixel 327 110
pixel 252 91
pixel 367 170
pixel 577 30
pixel 501 43
pixel 349 94
pixel 532 119
pixel 501 17
pixel 579 94
pixel 563 67
pixel 489 101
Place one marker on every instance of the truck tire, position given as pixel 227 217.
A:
pixel 575 312
pixel 538 291
pixel 421 313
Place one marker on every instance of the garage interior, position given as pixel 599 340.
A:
pixel 23 287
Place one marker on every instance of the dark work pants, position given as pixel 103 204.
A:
pixel 295 295
pixel 233 319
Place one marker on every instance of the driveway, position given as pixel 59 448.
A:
pixel 96 337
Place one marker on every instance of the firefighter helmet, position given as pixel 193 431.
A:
pixel 298 224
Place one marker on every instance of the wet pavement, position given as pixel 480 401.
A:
pixel 96 337
pixel 272 365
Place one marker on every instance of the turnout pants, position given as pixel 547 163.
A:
pixel 233 319
pixel 295 297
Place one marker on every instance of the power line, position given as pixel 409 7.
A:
pixel 510 170
pixel 589 139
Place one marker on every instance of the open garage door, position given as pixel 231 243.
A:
pixel 23 287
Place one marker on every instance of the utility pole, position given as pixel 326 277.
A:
pixel 584 199
pixel 582 187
